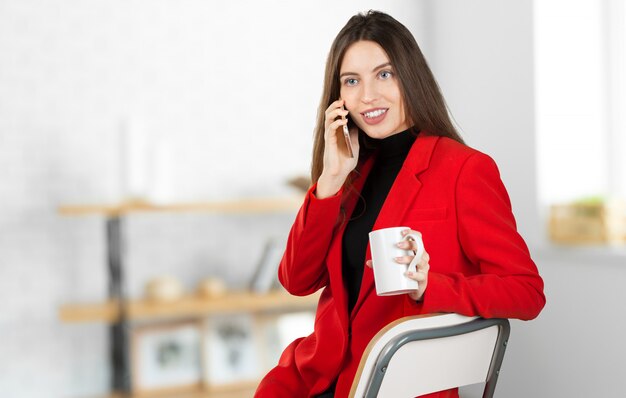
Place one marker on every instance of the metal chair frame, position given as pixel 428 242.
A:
pixel 397 342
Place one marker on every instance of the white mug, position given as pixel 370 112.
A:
pixel 389 276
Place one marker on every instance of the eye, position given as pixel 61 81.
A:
pixel 385 74
pixel 350 81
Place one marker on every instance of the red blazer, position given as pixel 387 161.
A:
pixel 479 264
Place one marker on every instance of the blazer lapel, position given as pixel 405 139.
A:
pixel 335 255
pixel 400 199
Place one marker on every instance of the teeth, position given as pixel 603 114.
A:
pixel 376 113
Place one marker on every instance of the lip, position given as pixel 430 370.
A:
pixel 374 120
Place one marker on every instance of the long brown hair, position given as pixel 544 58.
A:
pixel 423 101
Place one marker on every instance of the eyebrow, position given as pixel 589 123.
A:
pixel 373 70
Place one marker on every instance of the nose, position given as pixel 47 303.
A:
pixel 369 93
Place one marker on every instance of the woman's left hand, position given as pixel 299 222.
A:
pixel 421 276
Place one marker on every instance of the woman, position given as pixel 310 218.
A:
pixel 410 167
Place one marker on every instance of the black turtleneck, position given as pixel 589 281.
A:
pixel 391 153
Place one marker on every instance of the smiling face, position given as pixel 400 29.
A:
pixel 371 90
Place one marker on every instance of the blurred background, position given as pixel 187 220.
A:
pixel 139 105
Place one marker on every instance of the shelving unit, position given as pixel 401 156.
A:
pixel 118 311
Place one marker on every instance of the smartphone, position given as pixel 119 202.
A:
pixel 346 136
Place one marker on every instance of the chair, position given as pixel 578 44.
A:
pixel 423 354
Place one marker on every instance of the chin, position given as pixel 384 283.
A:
pixel 378 136
pixel 378 133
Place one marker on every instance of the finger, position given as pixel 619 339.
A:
pixel 336 114
pixel 423 262
pixel 369 263
pixel 332 128
pixel 417 276
pixel 337 103
pixel 408 244
pixel 404 259
pixel 411 231
pixel 412 244
pixel 415 295
pixel 334 105
pixel 423 266
pixel 333 115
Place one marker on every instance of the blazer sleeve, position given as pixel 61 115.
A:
pixel 506 283
pixel 302 270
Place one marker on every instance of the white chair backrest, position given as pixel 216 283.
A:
pixel 423 354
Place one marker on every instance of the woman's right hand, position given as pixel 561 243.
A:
pixel 337 161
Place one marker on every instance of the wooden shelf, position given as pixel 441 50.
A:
pixel 267 205
pixel 236 390
pixel 189 306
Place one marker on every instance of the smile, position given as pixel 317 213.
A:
pixel 375 113
pixel 374 116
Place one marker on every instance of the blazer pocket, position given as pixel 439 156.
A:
pixel 434 214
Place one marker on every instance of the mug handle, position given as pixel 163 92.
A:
pixel 418 252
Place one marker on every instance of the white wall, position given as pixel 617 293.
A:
pixel 227 93
pixel 575 348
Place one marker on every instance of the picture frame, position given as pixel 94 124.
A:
pixel 166 358
pixel 230 353
pixel 277 331
pixel 270 342
pixel 265 276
